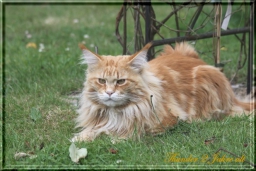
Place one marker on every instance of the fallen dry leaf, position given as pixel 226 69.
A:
pixel 223 48
pixel 113 151
pixel 31 45
pixel 209 141
pixel 30 153
pixel 41 146
pixel 27 144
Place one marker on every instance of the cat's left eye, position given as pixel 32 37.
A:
pixel 120 82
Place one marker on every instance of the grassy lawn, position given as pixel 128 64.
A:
pixel 39 79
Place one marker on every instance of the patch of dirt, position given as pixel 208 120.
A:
pixel 73 98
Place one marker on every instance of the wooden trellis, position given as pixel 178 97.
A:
pixel 143 10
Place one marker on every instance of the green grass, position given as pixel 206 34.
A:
pixel 39 83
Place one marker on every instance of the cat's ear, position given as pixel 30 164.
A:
pixel 89 57
pixel 139 59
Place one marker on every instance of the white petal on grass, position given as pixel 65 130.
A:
pixel 32 156
pixel 75 21
pixel 75 153
pixel 91 45
pixel 20 155
pixel 118 161
pixel 29 36
pixel 67 49
pixel 86 36
pixel 50 20
pixel 41 47
pixel 23 155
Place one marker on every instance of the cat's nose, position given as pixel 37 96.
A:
pixel 109 92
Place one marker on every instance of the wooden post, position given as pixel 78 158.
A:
pixel 251 44
pixel 124 14
pixel 216 38
pixel 148 26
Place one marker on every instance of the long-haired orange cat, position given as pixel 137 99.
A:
pixel 126 95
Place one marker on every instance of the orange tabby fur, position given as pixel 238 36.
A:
pixel 154 96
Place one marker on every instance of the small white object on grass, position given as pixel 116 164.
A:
pixel 86 36
pixel 41 47
pixel 75 21
pixel 119 161
pixel 23 155
pixel 20 155
pixel 75 153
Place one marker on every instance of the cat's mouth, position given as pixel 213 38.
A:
pixel 109 98
pixel 113 102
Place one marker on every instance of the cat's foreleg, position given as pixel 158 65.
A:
pixel 168 122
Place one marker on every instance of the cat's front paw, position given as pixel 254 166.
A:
pixel 82 137
pixel 115 140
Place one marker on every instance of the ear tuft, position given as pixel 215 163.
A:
pixel 82 46
pixel 139 60
pixel 89 57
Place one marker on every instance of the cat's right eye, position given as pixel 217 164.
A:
pixel 102 81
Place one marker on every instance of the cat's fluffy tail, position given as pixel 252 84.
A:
pixel 182 48
pixel 241 108
pixel 186 49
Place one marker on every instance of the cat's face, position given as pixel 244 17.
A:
pixel 114 80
